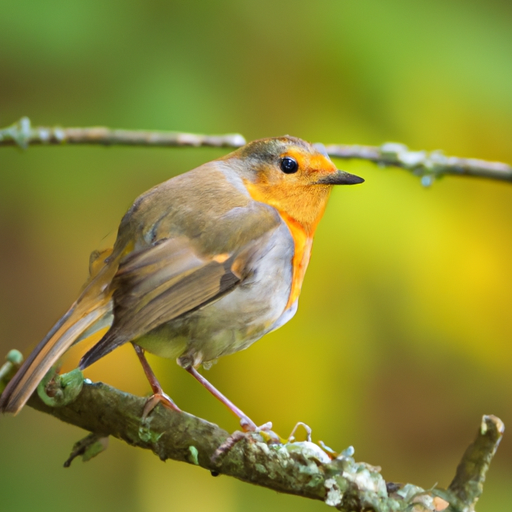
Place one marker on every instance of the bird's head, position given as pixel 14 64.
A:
pixel 290 174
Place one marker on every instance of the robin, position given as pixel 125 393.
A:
pixel 204 265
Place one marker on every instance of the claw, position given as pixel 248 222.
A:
pixel 227 446
pixel 264 430
pixel 158 398
pixel 249 426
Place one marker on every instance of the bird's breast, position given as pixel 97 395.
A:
pixel 235 321
pixel 303 243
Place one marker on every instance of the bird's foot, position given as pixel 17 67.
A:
pixel 158 397
pixel 249 426
pixel 265 430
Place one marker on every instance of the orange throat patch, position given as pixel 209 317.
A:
pixel 302 253
pixel 301 215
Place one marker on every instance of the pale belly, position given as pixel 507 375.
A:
pixel 256 307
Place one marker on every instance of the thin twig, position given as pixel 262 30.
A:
pixel 429 165
pixel 22 134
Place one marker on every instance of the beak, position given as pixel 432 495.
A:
pixel 340 178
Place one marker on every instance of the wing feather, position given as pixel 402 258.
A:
pixel 162 283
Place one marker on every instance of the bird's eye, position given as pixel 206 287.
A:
pixel 289 165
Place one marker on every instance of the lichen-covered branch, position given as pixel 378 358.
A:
pixel 467 486
pixel 429 165
pixel 300 468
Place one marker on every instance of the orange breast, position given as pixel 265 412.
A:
pixel 301 212
pixel 303 244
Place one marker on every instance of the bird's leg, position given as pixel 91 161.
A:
pixel 158 393
pixel 245 422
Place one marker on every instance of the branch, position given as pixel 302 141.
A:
pixel 428 165
pixel 22 134
pixel 467 486
pixel 299 468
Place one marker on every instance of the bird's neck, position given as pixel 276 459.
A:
pixel 301 209
pixel 302 206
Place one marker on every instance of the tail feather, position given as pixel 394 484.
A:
pixel 46 354
pixel 109 342
pixel 91 312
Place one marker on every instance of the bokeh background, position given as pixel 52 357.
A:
pixel 402 339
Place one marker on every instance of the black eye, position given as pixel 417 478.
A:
pixel 289 165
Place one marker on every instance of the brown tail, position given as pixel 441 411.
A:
pixel 91 309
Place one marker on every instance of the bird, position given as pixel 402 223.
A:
pixel 203 265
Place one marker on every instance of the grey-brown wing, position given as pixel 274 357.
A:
pixel 162 283
pixel 180 274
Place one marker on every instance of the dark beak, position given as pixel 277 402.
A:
pixel 340 178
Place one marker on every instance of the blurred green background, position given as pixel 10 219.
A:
pixel 402 339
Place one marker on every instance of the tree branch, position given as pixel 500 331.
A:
pixel 428 165
pixel 299 468
pixel 467 486
pixel 22 134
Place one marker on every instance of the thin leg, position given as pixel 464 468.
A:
pixel 245 422
pixel 158 393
